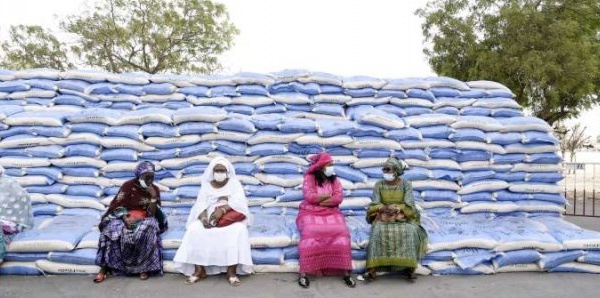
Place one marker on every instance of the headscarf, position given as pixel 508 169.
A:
pixel 396 166
pixel 207 177
pixel 1 170
pixel 206 195
pixel 318 161
pixel 143 168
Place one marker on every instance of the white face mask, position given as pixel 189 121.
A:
pixel 220 177
pixel 389 176
pixel 143 183
pixel 329 171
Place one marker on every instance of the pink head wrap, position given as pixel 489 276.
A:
pixel 318 161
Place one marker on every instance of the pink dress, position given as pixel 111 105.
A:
pixel 325 241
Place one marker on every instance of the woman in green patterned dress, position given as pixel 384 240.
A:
pixel 397 241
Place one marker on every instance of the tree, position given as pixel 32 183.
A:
pixel 153 35
pixel 33 47
pixel 573 140
pixel 560 131
pixel 131 35
pixel 547 52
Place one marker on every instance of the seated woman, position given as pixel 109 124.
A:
pixel 15 210
pixel 129 230
pixel 324 237
pixel 394 219
pixel 216 238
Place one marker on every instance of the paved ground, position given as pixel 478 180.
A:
pixel 591 223
pixel 544 285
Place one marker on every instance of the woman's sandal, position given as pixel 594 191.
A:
pixel 369 276
pixel 234 281
pixel 100 277
pixel 304 282
pixel 349 280
pixel 143 276
pixel 412 276
pixel 194 278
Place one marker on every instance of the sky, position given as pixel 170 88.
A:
pixel 380 38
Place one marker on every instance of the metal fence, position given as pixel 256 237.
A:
pixel 582 189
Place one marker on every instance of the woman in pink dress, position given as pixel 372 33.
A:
pixel 324 237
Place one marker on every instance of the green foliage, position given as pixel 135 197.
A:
pixel 131 35
pixel 33 47
pixel 547 52
pixel 153 35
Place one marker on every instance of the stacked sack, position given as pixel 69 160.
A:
pixel 485 176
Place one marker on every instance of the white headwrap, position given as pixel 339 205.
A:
pixel 209 195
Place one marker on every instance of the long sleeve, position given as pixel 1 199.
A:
pixel 309 190
pixel 409 208
pixel 239 202
pixel 337 194
pixel 118 201
pixel 376 204
pixel 158 199
pixel 198 207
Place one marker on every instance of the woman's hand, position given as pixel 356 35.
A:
pixel 129 222
pixel 325 203
pixel 219 212
pixel 400 216
pixel 324 200
pixel 393 208
pixel 204 220
pixel 323 197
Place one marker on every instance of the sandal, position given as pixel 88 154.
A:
pixel 100 277
pixel 369 276
pixel 194 278
pixel 304 282
pixel 349 280
pixel 234 281
pixel 412 276
pixel 143 276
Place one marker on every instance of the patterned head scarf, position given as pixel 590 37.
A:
pixel 143 168
pixel 318 161
pixel 396 166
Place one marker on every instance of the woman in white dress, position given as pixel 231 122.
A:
pixel 210 246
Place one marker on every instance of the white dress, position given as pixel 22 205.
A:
pixel 216 248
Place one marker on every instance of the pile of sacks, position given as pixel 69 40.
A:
pixel 485 176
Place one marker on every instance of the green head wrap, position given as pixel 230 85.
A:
pixel 396 166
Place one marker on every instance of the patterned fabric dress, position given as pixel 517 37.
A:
pixel 325 240
pixel 395 246
pixel 130 250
